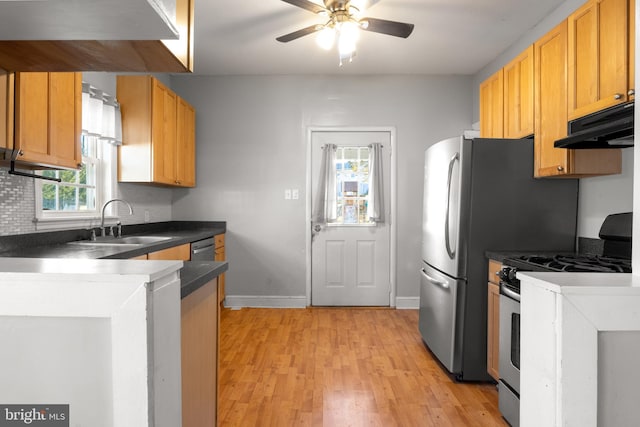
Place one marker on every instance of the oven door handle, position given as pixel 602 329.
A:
pixel 504 290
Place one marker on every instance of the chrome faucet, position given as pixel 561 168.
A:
pixel 104 207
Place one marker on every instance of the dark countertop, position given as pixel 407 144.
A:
pixel 194 274
pixel 57 245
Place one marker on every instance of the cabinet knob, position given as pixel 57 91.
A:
pixel 20 153
pixel 560 168
pixel 631 92
pixel 617 96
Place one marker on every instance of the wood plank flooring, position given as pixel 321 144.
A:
pixel 339 367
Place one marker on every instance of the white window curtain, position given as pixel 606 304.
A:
pixel 101 117
pixel 375 207
pixel 325 210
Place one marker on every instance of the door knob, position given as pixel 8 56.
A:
pixel 317 228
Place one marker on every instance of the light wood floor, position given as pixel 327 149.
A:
pixel 339 367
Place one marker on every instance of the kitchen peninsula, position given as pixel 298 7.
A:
pixel 121 341
pixel 580 341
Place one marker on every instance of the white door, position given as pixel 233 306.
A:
pixel 351 257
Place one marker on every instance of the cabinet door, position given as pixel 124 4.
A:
pixel 493 330
pixel 6 109
pixel 491 106
pixel 48 120
pixel 631 85
pixel 550 57
pixel 220 255
pixel 518 96
pixel 164 134
pixel 186 149
pixel 32 118
pixel 65 118
pixel 598 55
pixel 182 252
pixel 200 343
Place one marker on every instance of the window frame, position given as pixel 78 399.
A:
pixel 105 167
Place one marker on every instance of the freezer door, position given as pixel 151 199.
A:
pixel 440 317
pixel 443 194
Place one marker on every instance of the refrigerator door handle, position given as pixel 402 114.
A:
pixel 451 253
pixel 434 281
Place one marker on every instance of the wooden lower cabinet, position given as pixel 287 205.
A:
pixel 182 252
pixel 200 316
pixel 493 320
pixel 220 255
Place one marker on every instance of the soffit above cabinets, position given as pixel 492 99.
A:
pixel 97 35
pixel 87 20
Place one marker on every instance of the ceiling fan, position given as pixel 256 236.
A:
pixel 343 24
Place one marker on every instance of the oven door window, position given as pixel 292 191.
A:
pixel 515 339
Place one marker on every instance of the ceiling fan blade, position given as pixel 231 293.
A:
pixel 300 33
pixel 306 4
pixel 392 28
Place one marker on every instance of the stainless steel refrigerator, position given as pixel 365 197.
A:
pixel 480 195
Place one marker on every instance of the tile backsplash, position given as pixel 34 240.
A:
pixel 17 204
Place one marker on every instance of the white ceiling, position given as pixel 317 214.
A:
pixel 450 37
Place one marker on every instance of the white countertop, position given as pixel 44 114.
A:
pixel 583 283
pixel 64 268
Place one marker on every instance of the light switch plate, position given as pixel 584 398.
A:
pixel 287 194
pixel 295 194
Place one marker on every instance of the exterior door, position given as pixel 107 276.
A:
pixel 351 257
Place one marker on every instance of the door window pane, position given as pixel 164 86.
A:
pixel 352 185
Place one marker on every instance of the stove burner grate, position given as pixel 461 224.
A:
pixel 579 263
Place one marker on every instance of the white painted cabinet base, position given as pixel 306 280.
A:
pixel 580 336
pixel 102 336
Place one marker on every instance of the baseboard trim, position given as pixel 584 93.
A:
pixel 407 303
pixel 239 301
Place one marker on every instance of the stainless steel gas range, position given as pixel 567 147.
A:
pixel 616 258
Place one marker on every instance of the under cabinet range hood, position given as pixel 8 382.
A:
pixel 610 128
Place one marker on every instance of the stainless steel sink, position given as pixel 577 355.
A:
pixel 122 241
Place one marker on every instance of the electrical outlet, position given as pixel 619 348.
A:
pixel 146 216
pixel 295 194
pixel 287 194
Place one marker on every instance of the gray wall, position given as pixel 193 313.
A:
pixel 251 145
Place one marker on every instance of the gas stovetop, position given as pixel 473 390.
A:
pixel 570 263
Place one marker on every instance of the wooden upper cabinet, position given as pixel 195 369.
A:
pixel 518 95
pixel 6 110
pixel 598 56
pixel 163 133
pixel 186 149
pixel 491 106
pixel 158 132
pixel 631 92
pixel 550 57
pixel 48 119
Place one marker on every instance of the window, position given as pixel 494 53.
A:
pixel 352 185
pixel 82 192
pixel 76 200
pixel 77 191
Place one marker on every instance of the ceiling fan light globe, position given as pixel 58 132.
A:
pixel 326 38
pixel 349 35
